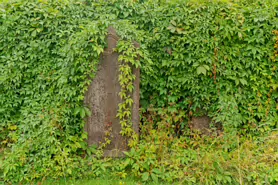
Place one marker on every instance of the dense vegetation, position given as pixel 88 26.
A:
pixel 215 58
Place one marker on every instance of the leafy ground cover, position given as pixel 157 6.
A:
pixel 162 159
pixel 105 180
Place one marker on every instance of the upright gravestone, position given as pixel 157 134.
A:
pixel 103 98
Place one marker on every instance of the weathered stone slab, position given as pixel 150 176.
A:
pixel 202 124
pixel 103 98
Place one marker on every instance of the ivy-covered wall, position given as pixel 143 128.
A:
pixel 217 56
pixel 207 54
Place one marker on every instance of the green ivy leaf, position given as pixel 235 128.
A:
pixel 202 70
pixel 154 177
pixel 243 81
pixel 145 176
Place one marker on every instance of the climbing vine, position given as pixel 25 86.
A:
pixel 128 61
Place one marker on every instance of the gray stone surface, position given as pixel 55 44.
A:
pixel 202 124
pixel 103 98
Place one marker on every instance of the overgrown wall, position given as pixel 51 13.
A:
pixel 212 56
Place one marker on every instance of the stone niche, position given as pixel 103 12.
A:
pixel 201 124
pixel 102 98
pixel 204 124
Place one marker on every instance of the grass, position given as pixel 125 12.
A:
pixel 97 181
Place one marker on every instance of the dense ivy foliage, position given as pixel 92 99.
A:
pixel 48 49
pixel 217 58
pixel 207 53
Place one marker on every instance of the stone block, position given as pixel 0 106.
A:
pixel 102 98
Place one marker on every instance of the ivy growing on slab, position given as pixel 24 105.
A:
pixel 128 61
